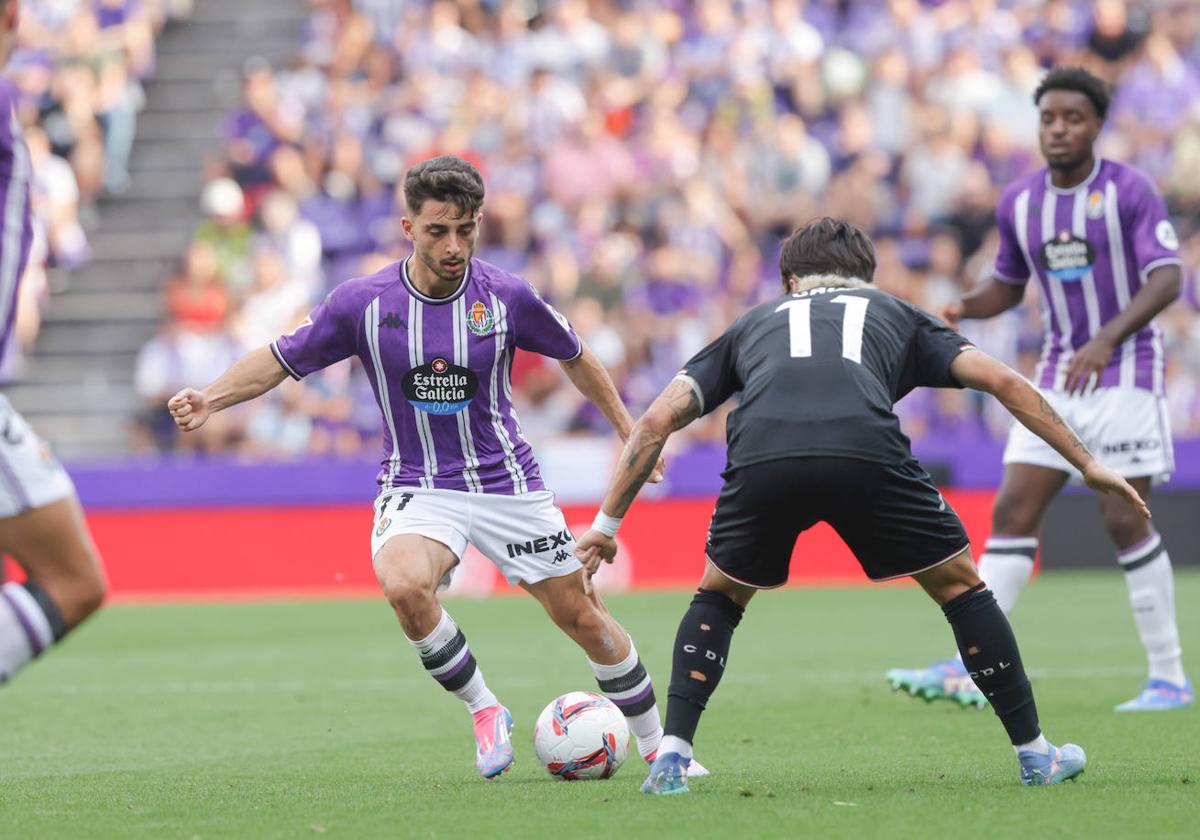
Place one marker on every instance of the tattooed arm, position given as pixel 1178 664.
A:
pixel 675 407
pixel 591 379
pixel 983 373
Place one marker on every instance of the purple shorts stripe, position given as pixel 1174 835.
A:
pixel 23 620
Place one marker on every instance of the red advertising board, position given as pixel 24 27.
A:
pixel 325 550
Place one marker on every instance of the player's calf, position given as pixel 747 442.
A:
pixel 701 650
pixel 30 623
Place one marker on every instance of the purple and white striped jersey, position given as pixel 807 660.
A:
pixel 440 368
pixel 1091 248
pixel 16 223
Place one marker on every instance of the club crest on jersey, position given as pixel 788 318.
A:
pixel 1067 257
pixel 1095 204
pixel 439 387
pixel 479 319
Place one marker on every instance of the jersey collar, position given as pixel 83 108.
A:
pixel 424 298
pixel 1080 186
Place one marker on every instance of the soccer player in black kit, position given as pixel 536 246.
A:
pixel 814 439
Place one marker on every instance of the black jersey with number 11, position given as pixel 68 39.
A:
pixel 819 372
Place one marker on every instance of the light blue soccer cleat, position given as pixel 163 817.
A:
pixel 1160 696
pixel 1061 764
pixel 493 744
pixel 946 679
pixel 668 775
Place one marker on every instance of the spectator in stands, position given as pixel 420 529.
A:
pixel 644 160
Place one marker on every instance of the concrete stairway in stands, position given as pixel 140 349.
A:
pixel 77 386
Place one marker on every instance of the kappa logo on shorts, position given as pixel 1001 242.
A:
pixel 541 544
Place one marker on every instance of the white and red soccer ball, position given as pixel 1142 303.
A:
pixel 581 735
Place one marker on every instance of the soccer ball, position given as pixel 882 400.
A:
pixel 581 735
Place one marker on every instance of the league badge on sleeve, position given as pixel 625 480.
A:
pixel 480 320
pixel 1164 232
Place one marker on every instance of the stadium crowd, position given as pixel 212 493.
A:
pixel 643 160
pixel 78 66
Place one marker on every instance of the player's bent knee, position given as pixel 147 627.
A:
pixel 1014 517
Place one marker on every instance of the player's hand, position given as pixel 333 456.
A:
pixel 592 549
pixel 952 313
pixel 1089 361
pixel 659 472
pixel 1104 480
pixel 189 408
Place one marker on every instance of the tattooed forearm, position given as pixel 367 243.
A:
pixel 1053 416
pixel 677 406
pixel 637 463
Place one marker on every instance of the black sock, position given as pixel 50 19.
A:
pixel 701 648
pixel 989 650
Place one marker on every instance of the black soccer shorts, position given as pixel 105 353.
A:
pixel 891 516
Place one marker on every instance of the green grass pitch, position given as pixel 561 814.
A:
pixel 303 719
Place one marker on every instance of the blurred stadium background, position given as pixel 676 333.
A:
pixel 206 171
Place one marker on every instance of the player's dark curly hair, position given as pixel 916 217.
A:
pixel 827 246
pixel 1078 80
pixel 445 178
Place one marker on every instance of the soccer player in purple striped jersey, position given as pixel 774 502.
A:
pixel 41 523
pixel 1095 236
pixel 436 334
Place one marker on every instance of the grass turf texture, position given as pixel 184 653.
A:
pixel 297 719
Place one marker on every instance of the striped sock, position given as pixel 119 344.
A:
pixel 1005 566
pixel 30 622
pixel 1151 583
pixel 446 657
pixel 628 685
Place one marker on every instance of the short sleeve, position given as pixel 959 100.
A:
pixel 712 372
pixel 1155 242
pixel 328 335
pixel 935 347
pixel 1011 266
pixel 540 328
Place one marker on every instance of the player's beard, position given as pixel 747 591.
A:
pixel 440 271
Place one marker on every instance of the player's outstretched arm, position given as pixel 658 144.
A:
pixel 987 301
pixel 983 373
pixel 675 407
pixel 250 376
pixel 591 379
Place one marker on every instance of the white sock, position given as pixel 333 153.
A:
pixel 1005 566
pixel 675 744
pixel 1151 583
pixel 24 629
pixel 448 659
pixel 1038 745
pixel 628 685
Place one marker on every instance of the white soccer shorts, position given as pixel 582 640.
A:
pixel 1127 429
pixel 30 476
pixel 525 536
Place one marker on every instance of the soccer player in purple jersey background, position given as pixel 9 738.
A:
pixel 41 522
pixel 436 334
pixel 1096 236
